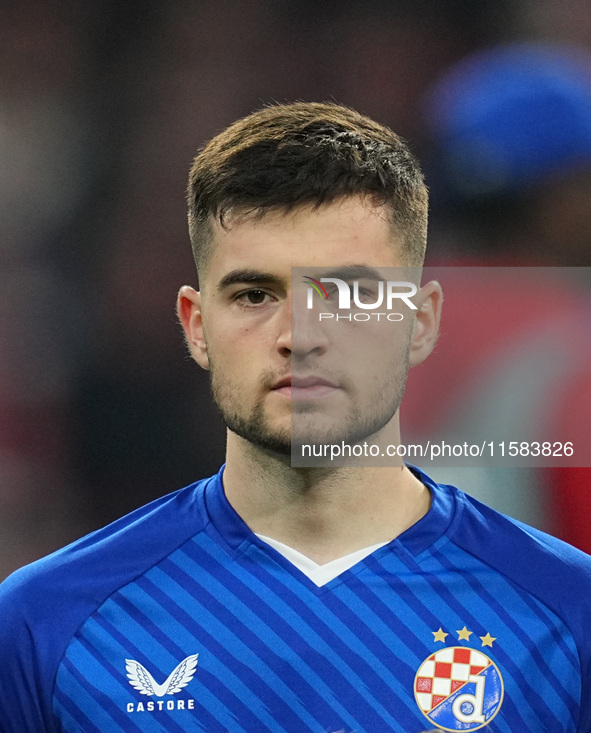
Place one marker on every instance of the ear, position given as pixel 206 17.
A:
pixel 428 300
pixel 188 308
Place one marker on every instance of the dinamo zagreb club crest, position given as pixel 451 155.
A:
pixel 458 688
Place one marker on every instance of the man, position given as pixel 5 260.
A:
pixel 274 598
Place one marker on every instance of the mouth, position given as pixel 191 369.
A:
pixel 311 387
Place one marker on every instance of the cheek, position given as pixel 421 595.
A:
pixel 238 336
pixel 375 344
pixel 232 353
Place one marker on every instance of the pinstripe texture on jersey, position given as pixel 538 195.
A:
pixel 278 654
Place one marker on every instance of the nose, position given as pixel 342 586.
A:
pixel 301 330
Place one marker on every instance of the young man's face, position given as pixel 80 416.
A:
pixel 278 371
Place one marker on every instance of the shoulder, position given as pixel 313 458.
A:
pixel 555 573
pixel 532 558
pixel 540 566
pixel 109 557
pixel 43 604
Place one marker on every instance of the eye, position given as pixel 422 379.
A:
pixel 331 291
pixel 368 292
pixel 252 298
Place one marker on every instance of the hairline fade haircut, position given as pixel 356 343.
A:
pixel 306 153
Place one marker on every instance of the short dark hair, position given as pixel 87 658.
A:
pixel 287 155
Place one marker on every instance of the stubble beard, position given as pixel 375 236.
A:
pixel 255 427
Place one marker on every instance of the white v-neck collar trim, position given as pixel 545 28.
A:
pixel 320 574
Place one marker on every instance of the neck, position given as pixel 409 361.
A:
pixel 324 513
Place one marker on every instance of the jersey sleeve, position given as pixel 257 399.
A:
pixel 43 605
pixel 552 571
pixel 25 678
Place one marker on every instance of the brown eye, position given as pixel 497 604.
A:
pixel 253 298
pixel 256 297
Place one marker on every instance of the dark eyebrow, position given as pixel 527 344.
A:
pixel 353 272
pixel 235 277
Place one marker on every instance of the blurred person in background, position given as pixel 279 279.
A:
pixel 510 177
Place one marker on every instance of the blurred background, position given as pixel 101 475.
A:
pixel 103 106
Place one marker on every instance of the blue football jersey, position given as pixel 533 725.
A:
pixel 178 618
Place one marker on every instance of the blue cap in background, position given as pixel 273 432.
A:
pixel 511 116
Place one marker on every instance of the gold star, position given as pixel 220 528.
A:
pixel 439 635
pixel 487 640
pixel 463 633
